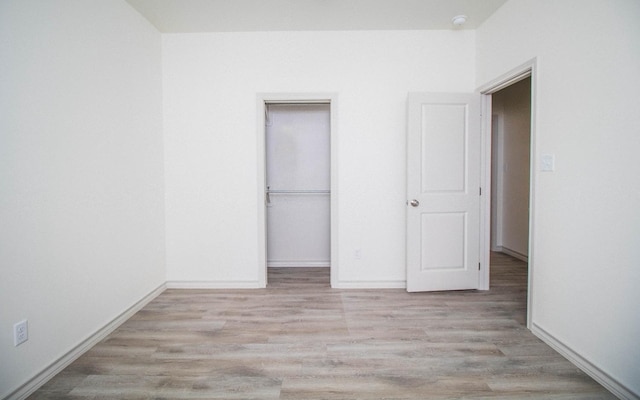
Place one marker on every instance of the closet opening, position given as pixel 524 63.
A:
pixel 298 198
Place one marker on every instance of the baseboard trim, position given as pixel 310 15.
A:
pixel 513 253
pixel 606 380
pixel 402 284
pixel 33 384
pixel 298 264
pixel 213 285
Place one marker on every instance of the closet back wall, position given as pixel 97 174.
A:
pixel 298 161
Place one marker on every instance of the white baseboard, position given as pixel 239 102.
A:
pixel 57 366
pixel 513 253
pixel 371 285
pixel 213 285
pixel 585 365
pixel 298 264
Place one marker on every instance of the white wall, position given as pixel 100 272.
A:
pixel 586 225
pixel 512 108
pixel 81 174
pixel 210 87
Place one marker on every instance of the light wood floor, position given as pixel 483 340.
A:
pixel 300 339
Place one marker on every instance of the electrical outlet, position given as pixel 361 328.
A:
pixel 357 254
pixel 547 163
pixel 20 332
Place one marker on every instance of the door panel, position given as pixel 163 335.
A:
pixel 442 240
pixel 443 147
pixel 443 224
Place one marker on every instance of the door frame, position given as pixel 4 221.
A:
pixel 262 100
pixel 528 69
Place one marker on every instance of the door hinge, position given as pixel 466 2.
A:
pixel 478 266
pixel 480 191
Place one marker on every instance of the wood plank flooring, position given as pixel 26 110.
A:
pixel 300 339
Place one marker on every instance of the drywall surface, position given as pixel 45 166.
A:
pixel 81 174
pixel 210 87
pixel 586 220
pixel 512 108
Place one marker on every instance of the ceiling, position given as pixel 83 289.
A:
pixel 175 16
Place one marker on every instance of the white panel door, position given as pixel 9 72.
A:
pixel 443 184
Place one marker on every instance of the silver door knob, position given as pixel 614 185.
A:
pixel 414 203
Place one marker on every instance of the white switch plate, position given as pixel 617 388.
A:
pixel 548 162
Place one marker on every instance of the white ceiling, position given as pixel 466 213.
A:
pixel 173 16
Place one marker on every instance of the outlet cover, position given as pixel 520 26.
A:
pixel 548 163
pixel 20 332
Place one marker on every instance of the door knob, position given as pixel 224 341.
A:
pixel 414 203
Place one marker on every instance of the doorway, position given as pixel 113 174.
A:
pixel 509 162
pixel 510 169
pixel 297 196
pixel 298 161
